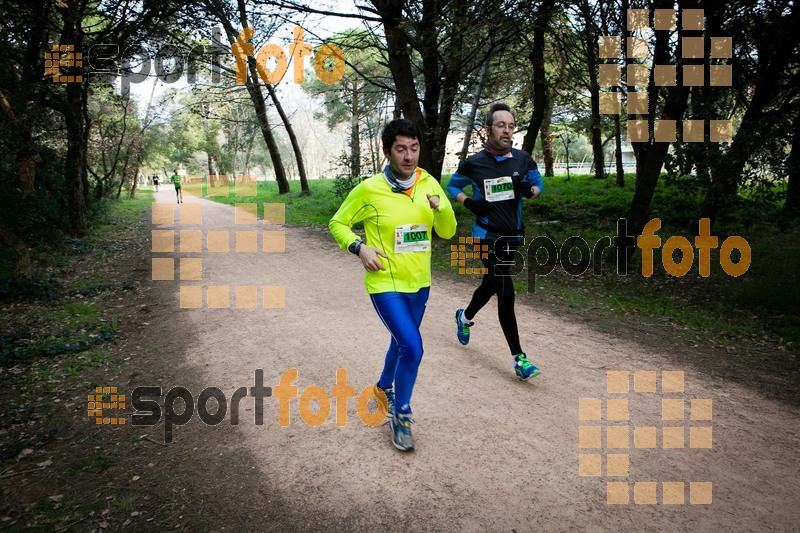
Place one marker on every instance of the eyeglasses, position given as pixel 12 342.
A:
pixel 503 125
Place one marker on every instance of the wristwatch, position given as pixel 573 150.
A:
pixel 355 247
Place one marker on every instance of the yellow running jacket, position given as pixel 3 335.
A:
pixel 399 223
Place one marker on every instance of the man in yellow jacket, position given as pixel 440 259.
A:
pixel 400 208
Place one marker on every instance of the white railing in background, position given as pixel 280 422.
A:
pixel 574 168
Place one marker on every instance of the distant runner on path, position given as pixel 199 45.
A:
pixel 175 179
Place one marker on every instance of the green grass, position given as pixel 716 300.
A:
pixel 56 346
pixel 110 216
pixel 315 208
pixel 71 320
pixel 760 303
pixel 589 208
pixel 73 315
pixel 97 463
pixel 75 365
pixel 70 327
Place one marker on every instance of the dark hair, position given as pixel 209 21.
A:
pixel 399 126
pixel 496 107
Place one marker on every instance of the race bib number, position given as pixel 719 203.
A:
pixel 499 189
pixel 411 238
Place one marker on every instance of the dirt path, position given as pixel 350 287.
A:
pixel 493 453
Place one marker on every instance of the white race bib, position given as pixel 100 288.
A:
pixel 411 238
pixel 498 189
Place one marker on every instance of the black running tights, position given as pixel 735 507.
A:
pixel 498 281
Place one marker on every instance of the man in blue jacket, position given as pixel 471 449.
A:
pixel 500 177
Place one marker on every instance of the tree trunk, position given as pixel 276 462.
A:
pixel 727 172
pixel 375 153
pixel 27 157
pixel 650 155
pixel 124 172
pixel 253 85
pixel 105 183
pixel 75 160
pixel 139 141
pixel 591 36
pixel 136 147
pixel 27 95
pixel 473 110
pixel 73 120
pixel 438 96
pixel 442 129
pixel 135 185
pixel 536 57
pixel 547 142
pixel 431 153
pixel 248 152
pixel 211 174
pixel 22 271
pixel 440 92
pixel 776 46
pixel 257 97
pixel 398 52
pixel 87 125
pixel 298 153
pixel 100 189
pixel 618 148
pixel 26 166
pixel 793 169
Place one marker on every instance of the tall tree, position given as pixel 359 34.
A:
pixel 296 150
pixel 360 97
pixel 767 80
pixel 537 61
pixel 449 37
pixel 245 51
pixel 78 24
pixel 793 169
pixel 650 154
pixel 113 118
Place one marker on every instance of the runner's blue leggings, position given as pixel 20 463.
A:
pixel 401 313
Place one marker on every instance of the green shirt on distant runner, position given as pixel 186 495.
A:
pixel 176 179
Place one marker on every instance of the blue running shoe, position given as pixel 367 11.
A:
pixel 401 431
pixel 525 369
pixel 462 330
pixel 389 393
